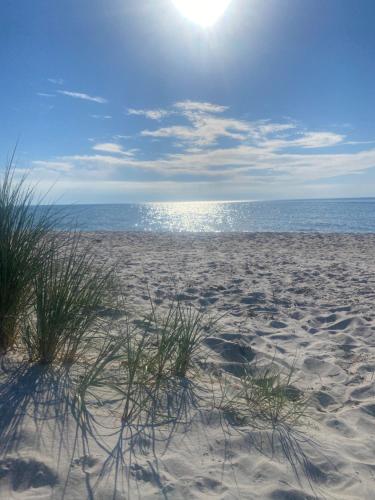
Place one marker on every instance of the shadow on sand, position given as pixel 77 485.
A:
pixel 38 403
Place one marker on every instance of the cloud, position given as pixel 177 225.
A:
pixel 45 94
pixel 187 108
pixel 265 128
pixel 355 143
pixel 202 107
pixel 153 114
pixel 218 149
pixel 59 166
pixel 205 127
pixel 306 140
pixel 121 136
pixel 101 117
pixel 111 147
pixel 81 95
pixel 56 81
pixel 203 130
pixel 238 164
pixel 318 140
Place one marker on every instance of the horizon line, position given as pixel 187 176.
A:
pixel 211 201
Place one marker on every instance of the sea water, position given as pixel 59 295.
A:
pixel 325 216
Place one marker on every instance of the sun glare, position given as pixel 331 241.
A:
pixel 203 12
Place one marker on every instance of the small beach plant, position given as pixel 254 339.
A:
pixel 136 388
pixel 120 367
pixel 95 377
pixel 191 329
pixel 176 338
pixel 142 357
pixel 24 228
pixel 162 348
pixel 265 398
pixel 68 294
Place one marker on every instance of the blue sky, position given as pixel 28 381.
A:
pixel 128 100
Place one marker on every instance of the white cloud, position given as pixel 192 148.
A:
pixel 119 136
pixel 260 154
pixel 306 140
pixel 204 130
pixel 355 143
pixel 56 81
pixel 81 95
pixel 317 140
pixel 205 127
pixel 111 147
pixel 265 128
pixel 101 117
pixel 203 107
pixel 59 166
pixel 152 114
pixel 238 164
pixel 190 109
pixel 45 94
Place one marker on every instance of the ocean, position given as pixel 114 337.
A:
pixel 324 216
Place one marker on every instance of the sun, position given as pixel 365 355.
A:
pixel 203 12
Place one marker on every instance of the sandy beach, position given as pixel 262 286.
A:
pixel 187 250
pixel 303 300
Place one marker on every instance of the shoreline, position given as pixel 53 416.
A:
pixel 218 233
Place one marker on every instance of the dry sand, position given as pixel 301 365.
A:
pixel 294 298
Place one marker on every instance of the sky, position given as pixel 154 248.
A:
pixel 115 101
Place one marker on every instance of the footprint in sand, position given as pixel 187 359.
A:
pixel 342 325
pixel 341 427
pixel 278 324
pixel 291 494
pixel 362 393
pixel 205 301
pixel 236 352
pixel 326 319
pixel 323 399
pixel 323 368
pixel 253 298
pixel 25 473
pixel 369 409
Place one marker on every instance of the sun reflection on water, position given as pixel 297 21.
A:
pixel 192 216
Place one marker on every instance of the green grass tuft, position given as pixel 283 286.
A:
pixel 24 230
pixel 68 293
pixel 264 398
pixel 178 335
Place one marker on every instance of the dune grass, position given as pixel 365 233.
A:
pixel 117 369
pixel 68 292
pixel 139 360
pixel 264 398
pixel 137 381
pixel 161 349
pixel 192 328
pixel 24 230
pixel 144 357
pixel 178 334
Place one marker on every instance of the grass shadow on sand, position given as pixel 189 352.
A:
pixel 35 396
pixel 36 400
pixel 36 404
pixel 172 409
pixel 282 443
pixel 38 392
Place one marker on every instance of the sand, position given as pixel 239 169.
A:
pixel 307 300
